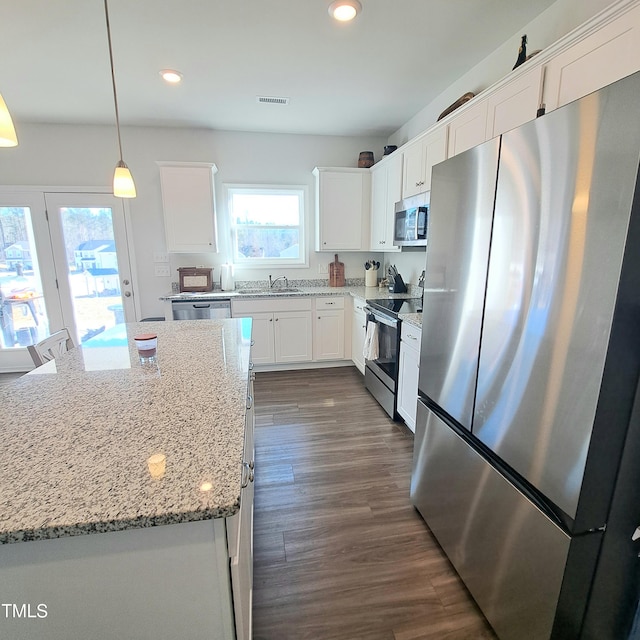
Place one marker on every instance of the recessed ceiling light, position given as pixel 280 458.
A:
pixel 344 10
pixel 171 76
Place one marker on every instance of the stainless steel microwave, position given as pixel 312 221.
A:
pixel 411 217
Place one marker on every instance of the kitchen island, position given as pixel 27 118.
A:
pixel 97 541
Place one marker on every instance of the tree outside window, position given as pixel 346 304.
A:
pixel 267 224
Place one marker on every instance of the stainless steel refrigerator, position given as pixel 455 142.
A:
pixel 526 463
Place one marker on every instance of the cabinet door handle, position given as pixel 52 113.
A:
pixel 247 474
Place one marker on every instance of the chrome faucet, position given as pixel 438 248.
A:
pixel 272 282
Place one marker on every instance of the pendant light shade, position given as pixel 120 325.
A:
pixel 8 137
pixel 123 185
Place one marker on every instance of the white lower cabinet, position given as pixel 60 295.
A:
pixel 240 533
pixel 263 349
pixel 292 336
pixel 282 329
pixel 328 329
pixel 409 366
pixel 358 332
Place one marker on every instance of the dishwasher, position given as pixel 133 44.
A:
pixel 201 309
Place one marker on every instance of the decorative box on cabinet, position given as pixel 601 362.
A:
pixel 418 160
pixel 188 200
pixel 343 204
pixel 386 190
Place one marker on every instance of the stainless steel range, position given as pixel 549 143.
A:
pixel 382 348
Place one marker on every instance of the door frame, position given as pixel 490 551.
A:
pixel 18 359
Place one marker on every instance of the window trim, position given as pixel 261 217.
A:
pixel 303 193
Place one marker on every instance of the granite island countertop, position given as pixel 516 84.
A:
pixel 77 433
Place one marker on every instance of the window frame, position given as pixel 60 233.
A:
pixel 269 189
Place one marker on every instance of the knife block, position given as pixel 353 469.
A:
pixel 396 284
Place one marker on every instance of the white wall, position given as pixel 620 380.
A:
pixel 84 156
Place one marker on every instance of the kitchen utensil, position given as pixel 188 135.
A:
pixel 370 276
pixel 336 273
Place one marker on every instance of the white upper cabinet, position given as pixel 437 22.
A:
pixel 468 128
pixel 514 103
pixel 602 57
pixel 188 200
pixel 343 205
pixel 386 190
pixel 419 157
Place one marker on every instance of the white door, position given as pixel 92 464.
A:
pixel 64 262
pixel 89 241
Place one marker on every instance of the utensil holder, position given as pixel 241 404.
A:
pixel 370 277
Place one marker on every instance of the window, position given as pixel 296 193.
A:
pixel 267 224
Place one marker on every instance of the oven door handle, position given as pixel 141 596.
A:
pixel 378 317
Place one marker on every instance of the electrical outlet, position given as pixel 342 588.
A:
pixel 323 267
pixel 158 256
pixel 162 270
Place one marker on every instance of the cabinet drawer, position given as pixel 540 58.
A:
pixel 257 305
pixel 411 336
pixel 335 302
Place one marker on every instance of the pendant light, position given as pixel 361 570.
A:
pixel 8 137
pixel 123 185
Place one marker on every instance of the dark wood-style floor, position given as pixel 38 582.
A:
pixel 340 553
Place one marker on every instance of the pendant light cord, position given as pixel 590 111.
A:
pixel 113 78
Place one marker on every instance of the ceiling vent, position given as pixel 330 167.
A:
pixel 272 100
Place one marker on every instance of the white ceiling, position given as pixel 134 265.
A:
pixel 367 77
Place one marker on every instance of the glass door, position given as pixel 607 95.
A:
pixel 64 262
pixel 89 240
pixel 29 303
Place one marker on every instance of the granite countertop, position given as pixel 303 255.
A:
pixel 77 432
pixel 412 318
pixel 356 291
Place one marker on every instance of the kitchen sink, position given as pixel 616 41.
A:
pixel 268 291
